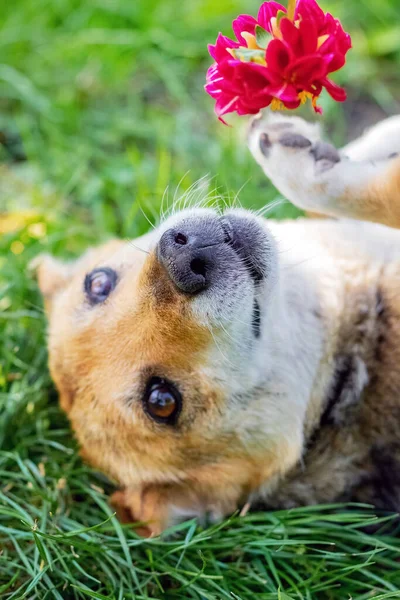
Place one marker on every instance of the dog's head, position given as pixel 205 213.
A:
pixel 159 349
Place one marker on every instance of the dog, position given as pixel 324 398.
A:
pixel 223 360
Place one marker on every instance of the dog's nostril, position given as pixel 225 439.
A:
pixel 198 266
pixel 181 239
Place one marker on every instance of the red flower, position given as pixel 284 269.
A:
pixel 280 59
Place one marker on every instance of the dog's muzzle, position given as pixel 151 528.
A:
pixel 198 252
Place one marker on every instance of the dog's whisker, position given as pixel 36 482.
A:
pixel 152 225
pixel 171 211
pixel 236 198
pixel 162 207
pixel 131 243
pixel 219 348
pixel 219 324
pixel 301 262
pixel 269 207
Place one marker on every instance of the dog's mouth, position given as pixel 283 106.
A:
pixel 202 249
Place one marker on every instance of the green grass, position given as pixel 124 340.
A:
pixel 102 109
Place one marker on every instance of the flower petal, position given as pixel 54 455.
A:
pixel 225 104
pixel 218 50
pixel 308 36
pixel 290 33
pixel 307 69
pixel 334 28
pixel 334 90
pixel 267 11
pixel 337 61
pixel 243 23
pixel 277 56
pixel 328 46
pixel 309 9
pixel 286 93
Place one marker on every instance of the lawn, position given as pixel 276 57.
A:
pixel 102 112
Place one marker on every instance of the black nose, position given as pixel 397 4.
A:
pixel 189 254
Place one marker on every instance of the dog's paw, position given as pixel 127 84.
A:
pixel 308 171
pixel 316 177
pixel 290 147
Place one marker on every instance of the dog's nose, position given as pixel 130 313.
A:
pixel 189 254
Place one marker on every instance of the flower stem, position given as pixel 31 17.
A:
pixel 291 9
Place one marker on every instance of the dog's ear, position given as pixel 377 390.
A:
pixel 52 275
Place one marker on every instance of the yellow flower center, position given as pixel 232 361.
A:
pixel 303 97
pixel 277 105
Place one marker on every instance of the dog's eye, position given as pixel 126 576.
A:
pixel 99 284
pixel 162 401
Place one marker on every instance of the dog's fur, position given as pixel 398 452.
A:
pixel 307 410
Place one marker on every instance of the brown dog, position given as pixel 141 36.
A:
pixel 222 359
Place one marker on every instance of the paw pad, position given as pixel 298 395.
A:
pixel 265 144
pixel 324 151
pixel 280 126
pixel 294 140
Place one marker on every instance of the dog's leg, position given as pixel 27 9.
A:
pixel 377 142
pixel 361 181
